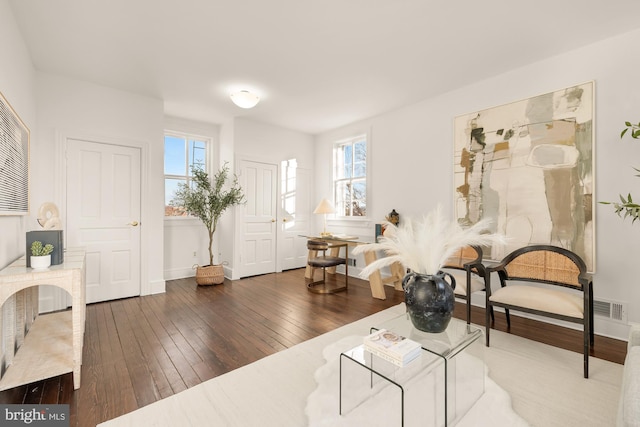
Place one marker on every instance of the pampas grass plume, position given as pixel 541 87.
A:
pixel 425 246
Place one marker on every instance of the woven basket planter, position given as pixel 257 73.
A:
pixel 210 274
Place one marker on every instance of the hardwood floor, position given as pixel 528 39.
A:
pixel 140 350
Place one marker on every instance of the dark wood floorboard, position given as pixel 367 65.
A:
pixel 140 350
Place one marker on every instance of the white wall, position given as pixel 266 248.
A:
pixel 239 138
pixel 411 152
pixel 272 143
pixel 17 85
pixel 65 105
pixel 185 236
pixel 72 108
pixel 266 143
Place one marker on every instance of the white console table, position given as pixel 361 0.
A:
pixel 42 346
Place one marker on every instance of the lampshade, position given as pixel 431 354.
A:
pixel 325 207
pixel 245 99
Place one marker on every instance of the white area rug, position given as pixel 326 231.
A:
pixel 545 384
pixel 492 409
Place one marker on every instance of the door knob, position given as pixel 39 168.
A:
pixel 284 219
pixel 133 223
pixel 273 220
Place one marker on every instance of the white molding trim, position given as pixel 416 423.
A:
pixel 179 273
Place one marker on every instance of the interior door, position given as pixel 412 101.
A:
pixel 259 216
pixel 294 218
pixel 103 216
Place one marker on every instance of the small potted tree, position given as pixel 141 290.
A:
pixel 208 200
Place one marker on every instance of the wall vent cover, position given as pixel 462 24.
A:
pixel 614 310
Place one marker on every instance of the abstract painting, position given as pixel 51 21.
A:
pixel 14 162
pixel 528 166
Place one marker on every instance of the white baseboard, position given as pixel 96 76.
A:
pixel 179 273
pixel 157 287
pixel 228 272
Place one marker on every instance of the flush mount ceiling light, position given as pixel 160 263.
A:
pixel 245 99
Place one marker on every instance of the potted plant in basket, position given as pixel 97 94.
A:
pixel 423 247
pixel 208 200
pixel 40 255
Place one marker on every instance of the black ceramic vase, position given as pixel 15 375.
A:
pixel 429 300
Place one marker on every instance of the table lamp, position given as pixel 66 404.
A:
pixel 325 207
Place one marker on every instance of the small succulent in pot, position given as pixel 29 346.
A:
pixel 38 249
pixel 40 255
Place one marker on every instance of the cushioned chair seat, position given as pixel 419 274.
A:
pixel 477 282
pixel 326 261
pixel 541 299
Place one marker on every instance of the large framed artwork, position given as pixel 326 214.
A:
pixel 529 166
pixel 14 162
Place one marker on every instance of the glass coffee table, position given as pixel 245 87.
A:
pixel 436 389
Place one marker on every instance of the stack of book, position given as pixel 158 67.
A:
pixel 392 347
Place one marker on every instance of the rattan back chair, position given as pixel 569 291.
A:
pixel 466 267
pixel 547 281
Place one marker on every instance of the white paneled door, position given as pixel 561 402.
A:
pixel 103 216
pixel 258 218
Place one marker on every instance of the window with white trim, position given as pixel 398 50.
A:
pixel 350 177
pixel 181 153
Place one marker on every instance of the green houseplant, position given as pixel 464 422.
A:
pixel 626 207
pixel 40 255
pixel 208 200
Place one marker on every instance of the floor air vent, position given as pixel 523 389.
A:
pixel 610 309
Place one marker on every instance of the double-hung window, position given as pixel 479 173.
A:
pixel 182 152
pixel 350 177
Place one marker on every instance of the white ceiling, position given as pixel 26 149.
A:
pixel 317 65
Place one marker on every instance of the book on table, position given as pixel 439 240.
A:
pixel 392 347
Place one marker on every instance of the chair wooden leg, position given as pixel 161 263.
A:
pixel 586 350
pixel 587 331
pixel 488 308
pixel 346 269
pixel 487 325
pixel 320 287
pixel 591 333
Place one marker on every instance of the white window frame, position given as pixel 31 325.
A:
pixel 351 140
pixel 187 136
